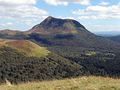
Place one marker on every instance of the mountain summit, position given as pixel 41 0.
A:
pixel 56 25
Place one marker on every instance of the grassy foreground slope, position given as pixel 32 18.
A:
pixel 83 83
pixel 25 46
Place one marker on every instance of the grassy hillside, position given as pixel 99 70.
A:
pixel 83 83
pixel 25 46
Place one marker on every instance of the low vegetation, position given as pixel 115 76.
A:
pixel 82 83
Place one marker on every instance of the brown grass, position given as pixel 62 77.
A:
pixel 82 83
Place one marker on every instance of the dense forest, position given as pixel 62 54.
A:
pixel 16 67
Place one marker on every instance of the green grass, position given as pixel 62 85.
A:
pixel 25 46
pixel 82 83
pixel 69 26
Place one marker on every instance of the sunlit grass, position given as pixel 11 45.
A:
pixel 82 83
pixel 90 53
pixel 25 46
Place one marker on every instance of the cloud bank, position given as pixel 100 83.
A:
pixel 99 12
pixel 19 9
pixel 66 2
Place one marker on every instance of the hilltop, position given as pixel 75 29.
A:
pixel 53 25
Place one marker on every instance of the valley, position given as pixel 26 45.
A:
pixel 56 49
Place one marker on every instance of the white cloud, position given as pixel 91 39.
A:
pixel 6 24
pixel 17 2
pixel 23 13
pixel 19 9
pixel 9 23
pixel 66 2
pixel 103 27
pixel 99 12
pixel 87 17
pixel 30 22
pixel 66 17
pixel 104 3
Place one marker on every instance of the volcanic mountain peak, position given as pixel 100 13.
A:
pixel 49 18
pixel 56 25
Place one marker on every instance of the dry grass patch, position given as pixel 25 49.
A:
pixel 82 83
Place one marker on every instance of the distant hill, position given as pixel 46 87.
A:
pixel 108 33
pixel 115 38
pixel 10 32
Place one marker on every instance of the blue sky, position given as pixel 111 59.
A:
pixel 95 15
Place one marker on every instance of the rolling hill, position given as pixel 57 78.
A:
pixel 25 46
pixel 10 32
